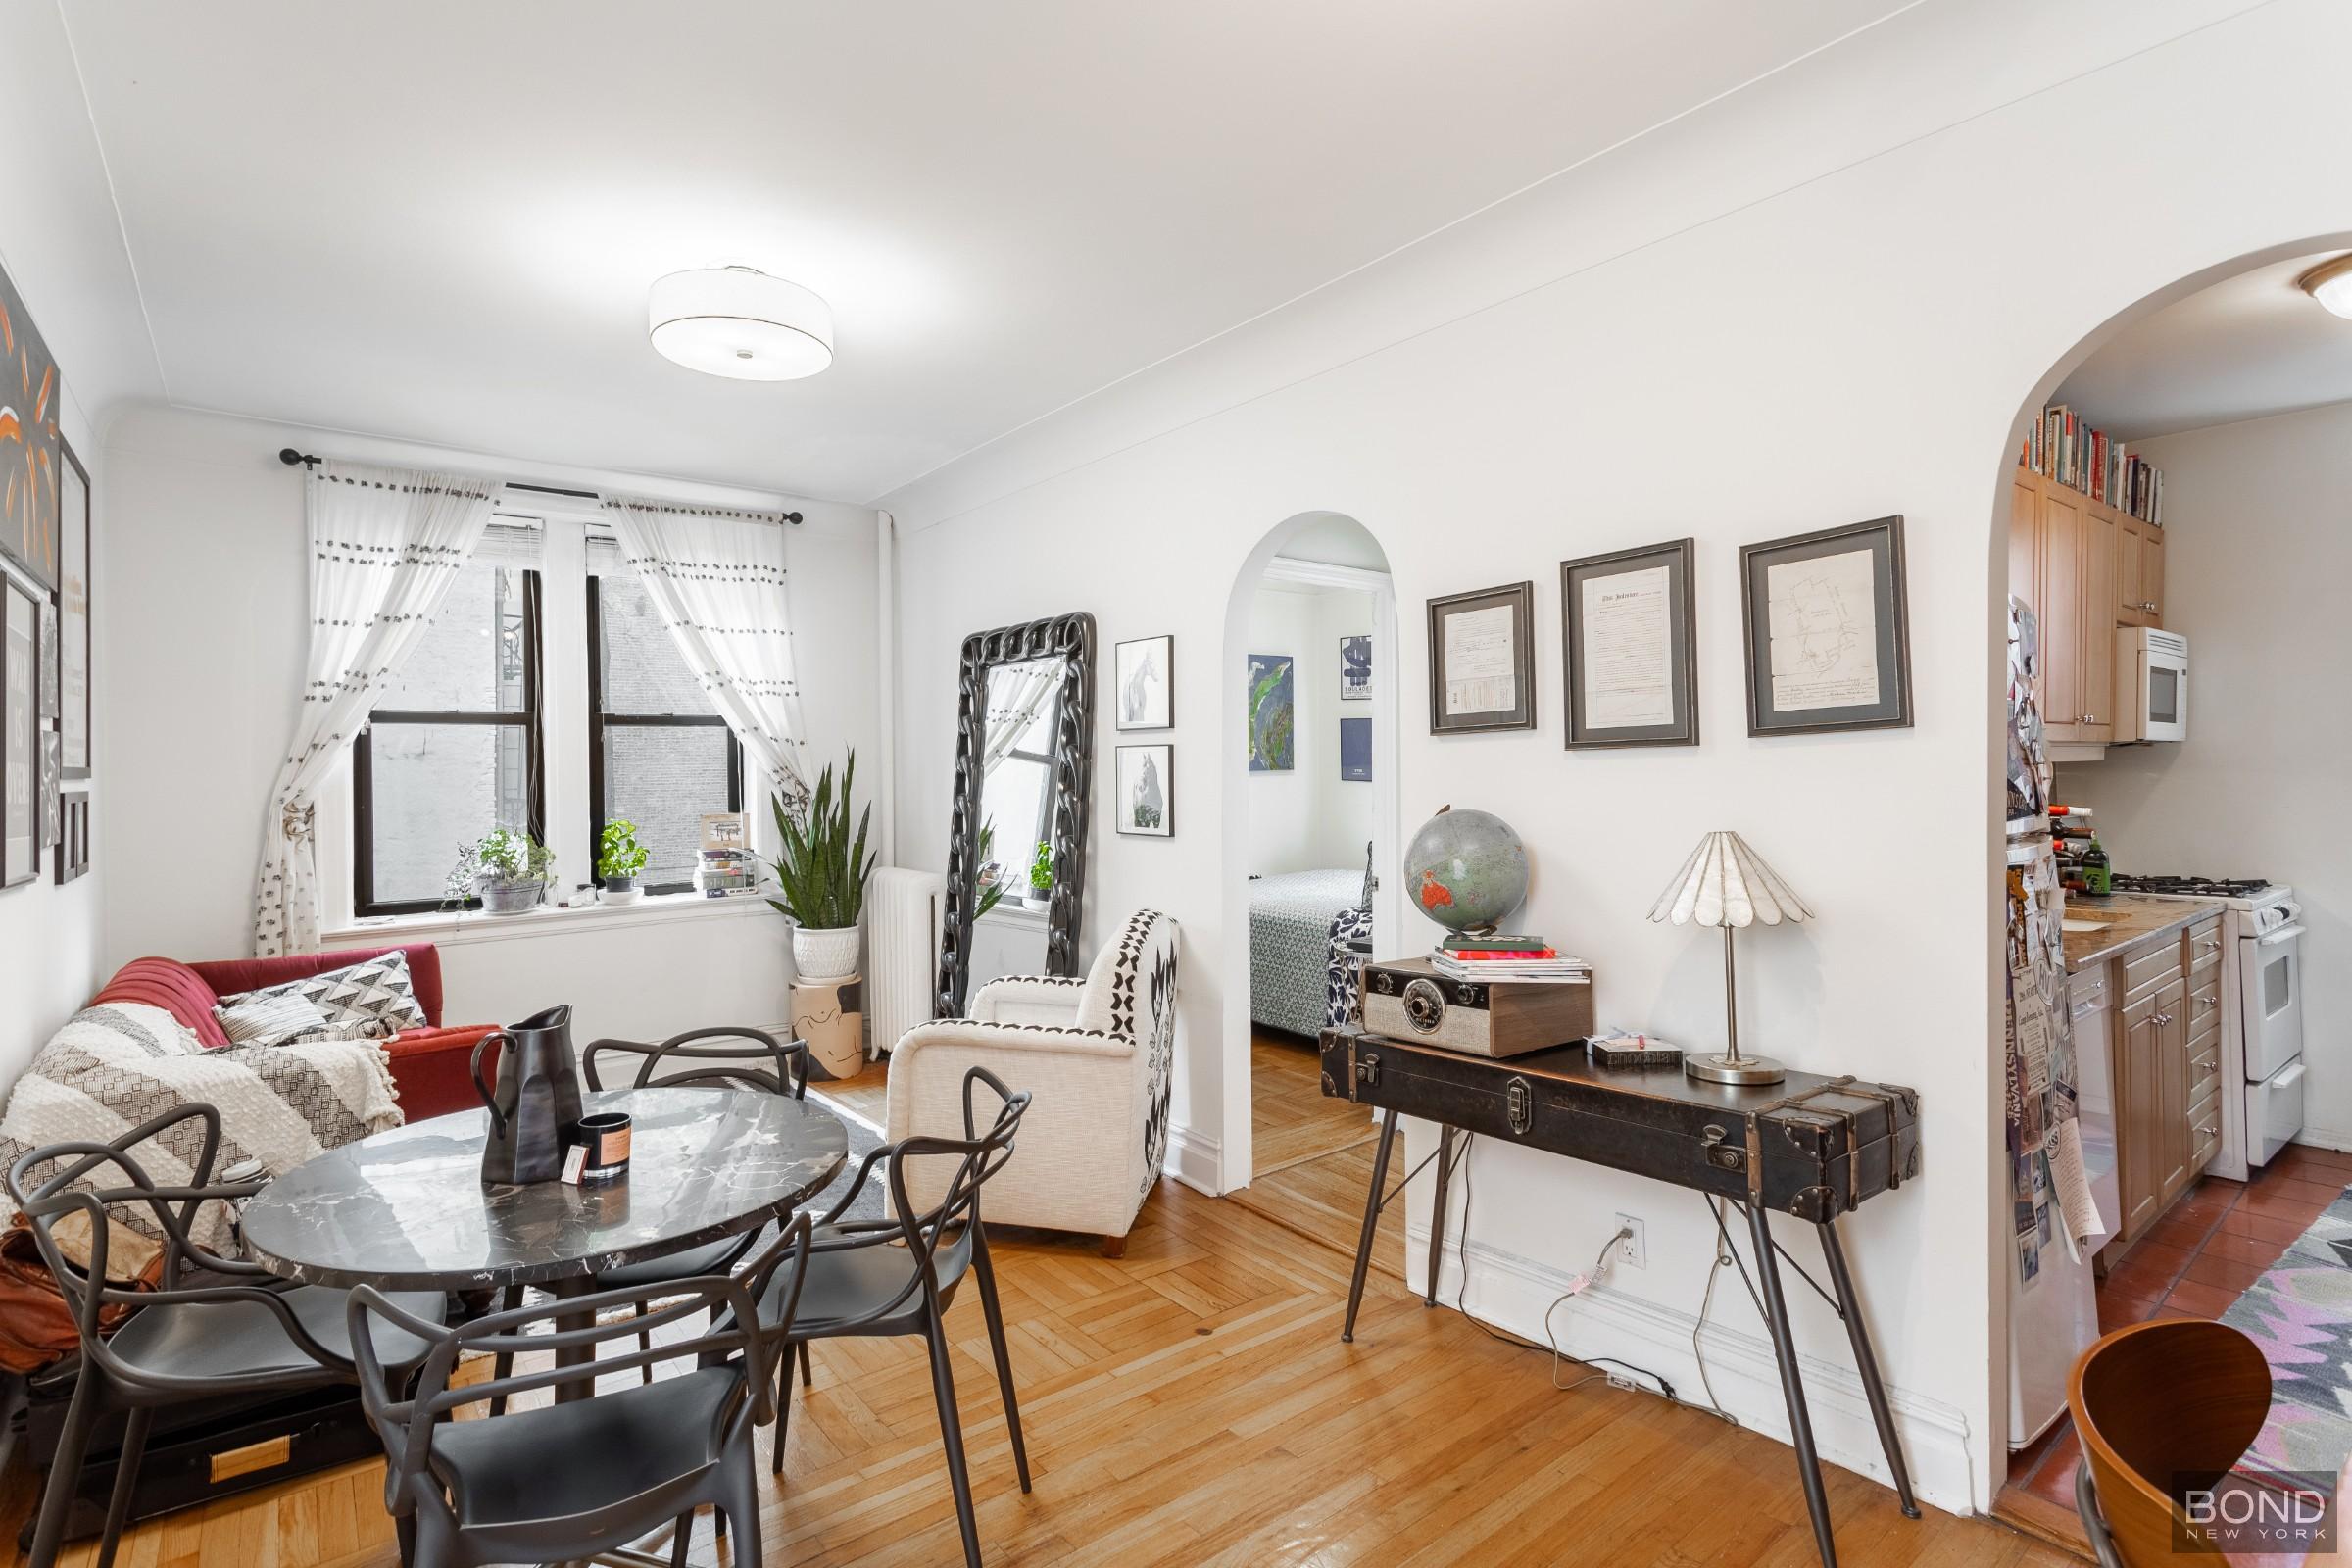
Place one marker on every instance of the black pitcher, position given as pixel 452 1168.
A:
pixel 537 1101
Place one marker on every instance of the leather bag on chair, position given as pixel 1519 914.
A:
pixel 36 1327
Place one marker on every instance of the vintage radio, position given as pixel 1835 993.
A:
pixel 1412 999
pixel 1812 1147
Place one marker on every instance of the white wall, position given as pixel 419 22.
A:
pixel 62 250
pixel 203 635
pixel 2258 548
pixel 1822 300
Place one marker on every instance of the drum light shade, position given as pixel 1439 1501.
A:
pixel 739 323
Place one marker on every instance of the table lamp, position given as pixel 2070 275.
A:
pixel 1726 883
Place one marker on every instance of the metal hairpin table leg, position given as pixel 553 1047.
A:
pixel 1792 1388
pixel 1363 1246
pixel 1866 1362
pixel 1437 1214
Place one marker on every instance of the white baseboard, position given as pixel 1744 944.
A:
pixel 1195 1159
pixel 2326 1138
pixel 1514 1293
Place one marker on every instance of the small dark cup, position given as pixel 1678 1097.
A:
pixel 607 1136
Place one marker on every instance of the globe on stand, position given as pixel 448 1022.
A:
pixel 1466 870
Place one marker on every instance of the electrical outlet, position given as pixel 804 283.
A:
pixel 1634 1250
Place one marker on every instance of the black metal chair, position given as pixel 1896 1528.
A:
pixel 863 1284
pixel 710 1068
pixel 577 1479
pixel 244 1330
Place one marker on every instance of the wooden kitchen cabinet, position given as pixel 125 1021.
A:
pixel 2138 572
pixel 2171 1074
pixel 2085 568
pixel 2166 1070
pixel 2139 1116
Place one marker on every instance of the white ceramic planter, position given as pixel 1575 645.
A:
pixel 628 895
pixel 824 955
pixel 1037 901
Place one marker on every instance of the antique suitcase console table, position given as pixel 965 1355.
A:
pixel 1811 1147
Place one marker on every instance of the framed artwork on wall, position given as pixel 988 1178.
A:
pixel 1827 634
pixel 74 836
pixel 1356 670
pixel 1481 661
pixel 29 502
pixel 1629 649
pixel 20 736
pixel 1146 806
pixel 1146 672
pixel 1355 750
pixel 74 618
pixel 1270 713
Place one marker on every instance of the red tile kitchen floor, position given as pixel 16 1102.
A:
pixel 2213 1242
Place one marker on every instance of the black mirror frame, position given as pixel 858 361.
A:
pixel 1071 638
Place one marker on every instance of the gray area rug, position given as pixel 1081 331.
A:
pixel 863 1141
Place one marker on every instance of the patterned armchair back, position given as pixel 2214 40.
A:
pixel 1131 995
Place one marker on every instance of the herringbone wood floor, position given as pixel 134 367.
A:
pixel 1192 1405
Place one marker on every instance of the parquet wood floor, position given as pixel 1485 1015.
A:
pixel 1190 1403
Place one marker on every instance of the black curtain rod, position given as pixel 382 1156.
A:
pixel 310 460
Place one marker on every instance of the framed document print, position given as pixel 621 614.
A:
pixel 1828 642
pixel 1630 648
pixel 1481 661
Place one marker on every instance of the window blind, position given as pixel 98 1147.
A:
pixel 604 558
pixel 512 542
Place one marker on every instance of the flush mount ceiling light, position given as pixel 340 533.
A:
pixel 738 322
pixel 2330 283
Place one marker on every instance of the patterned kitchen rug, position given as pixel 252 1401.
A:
pixel 2300 1313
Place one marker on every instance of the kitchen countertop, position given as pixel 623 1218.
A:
pixel 2125 919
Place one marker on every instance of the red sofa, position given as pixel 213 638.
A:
pixel 431 1066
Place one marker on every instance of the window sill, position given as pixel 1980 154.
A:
pixel 1013 912
pixel 454 930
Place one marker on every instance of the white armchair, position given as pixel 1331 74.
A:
pixel 1097 1055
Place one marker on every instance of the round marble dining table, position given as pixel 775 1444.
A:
pixel 406 1209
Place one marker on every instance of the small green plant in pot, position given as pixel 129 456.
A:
pixel 505 869
pixel 821 873
pixel 619 861
pixel 1040 876
pixel 989 881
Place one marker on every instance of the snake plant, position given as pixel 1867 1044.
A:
pixel 822 870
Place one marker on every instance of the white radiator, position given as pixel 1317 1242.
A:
pixel 901 951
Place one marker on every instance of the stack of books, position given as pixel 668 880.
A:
pixel 2061 446
pixel 1514 959
pixel 723 869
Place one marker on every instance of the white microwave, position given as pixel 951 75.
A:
pixel 2152 685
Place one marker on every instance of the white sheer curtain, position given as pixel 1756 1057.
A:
pixel 1027 689
pixel 385 545
pixel 717 579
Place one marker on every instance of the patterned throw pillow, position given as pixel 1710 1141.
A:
pixel 270 1018
pixel 373 998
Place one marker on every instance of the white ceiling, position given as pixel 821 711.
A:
pixel 437 219
pixel 2245 347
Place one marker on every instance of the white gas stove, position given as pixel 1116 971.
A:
pixel 2261 1013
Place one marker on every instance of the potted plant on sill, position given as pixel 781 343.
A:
pixel 1041 877
pixel 505 869
pixel 821 873
pixel 620 858
pixel 991 880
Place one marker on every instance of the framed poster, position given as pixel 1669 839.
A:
pixel 1628 649
pixel 1145 805
pixel 1481 661
pixel 28 408
pixel 1355 750
pixel 74 618
pixel 1356 670
pixel 73 837
pixel 19 737
pixel 1827 635
pixel 1146 672
pixel 1270 710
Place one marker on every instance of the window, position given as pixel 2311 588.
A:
pixel 452 747
pixel 1016 801
pixel 657 756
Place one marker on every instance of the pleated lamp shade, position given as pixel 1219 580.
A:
pixel 1724 882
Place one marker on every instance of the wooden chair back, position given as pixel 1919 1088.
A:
pixel 2172 1404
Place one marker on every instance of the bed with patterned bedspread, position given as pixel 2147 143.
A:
pixel 1290 919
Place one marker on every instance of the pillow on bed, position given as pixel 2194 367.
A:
pixel 1371 880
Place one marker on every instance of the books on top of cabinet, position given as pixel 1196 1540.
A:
pixel 1508 958
pixel 2062 446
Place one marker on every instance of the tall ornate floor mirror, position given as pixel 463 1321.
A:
pixel 1024 752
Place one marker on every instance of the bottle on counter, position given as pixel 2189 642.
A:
pixel 2098 876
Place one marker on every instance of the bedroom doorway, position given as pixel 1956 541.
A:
pixel 1313 762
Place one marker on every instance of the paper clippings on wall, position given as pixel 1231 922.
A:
pixel 1480 675
pixel 1824 632
pixel 1626 662
pixel 2078 1207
